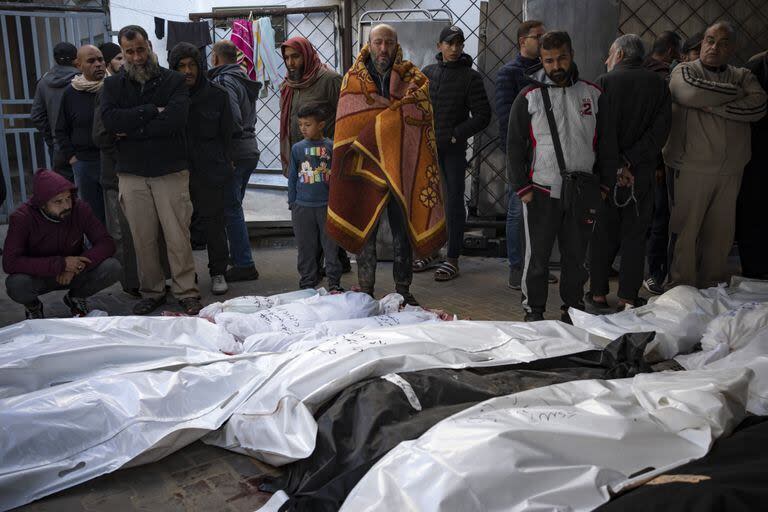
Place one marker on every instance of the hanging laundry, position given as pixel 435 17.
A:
pixel 197 33
pixel 267 60
pixel 159 27
pixel 242 38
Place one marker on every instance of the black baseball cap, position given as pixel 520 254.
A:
pixel 64 53
pixel 448 34
pixel 693 42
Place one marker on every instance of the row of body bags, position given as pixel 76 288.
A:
pixel 84 397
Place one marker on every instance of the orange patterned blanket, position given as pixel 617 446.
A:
pixel 385 149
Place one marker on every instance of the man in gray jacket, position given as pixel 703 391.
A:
pixel 245 153
pixel 47 102
pixel 708 147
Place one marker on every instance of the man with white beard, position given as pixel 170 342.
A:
pixel 146 108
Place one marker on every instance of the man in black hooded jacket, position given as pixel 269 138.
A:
pixel 461 111
pixel 209 142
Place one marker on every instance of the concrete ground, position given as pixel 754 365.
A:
pixel 201 477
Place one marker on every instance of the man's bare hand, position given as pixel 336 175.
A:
pixel 160 110
pixel 527 198
pixel 65 278
pixel 625 178
pixel 75 264
pixel 72 160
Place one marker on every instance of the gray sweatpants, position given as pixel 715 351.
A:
pixel 309 228
pixel 26 289
pixel 702 227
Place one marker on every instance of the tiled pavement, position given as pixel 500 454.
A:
pixel 204 478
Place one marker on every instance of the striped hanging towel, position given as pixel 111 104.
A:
pixel 242 38
pixel 269 69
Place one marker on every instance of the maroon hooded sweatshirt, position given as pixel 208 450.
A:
pixel 37 245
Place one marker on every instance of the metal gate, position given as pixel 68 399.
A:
pixel 319 25
pixel 26 47
pixel 491 26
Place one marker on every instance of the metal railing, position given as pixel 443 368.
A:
pixel 26 47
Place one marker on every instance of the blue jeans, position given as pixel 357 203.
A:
pixel 88 183
pixel 514 219
pixel 239 243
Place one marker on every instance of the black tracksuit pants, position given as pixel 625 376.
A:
pixel 621 229
pixel 658 240
pixel 544 221
pixel 208 201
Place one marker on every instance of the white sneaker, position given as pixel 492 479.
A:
pixel 219 285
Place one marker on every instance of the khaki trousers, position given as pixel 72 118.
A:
pixel 152 204
pixel 702 227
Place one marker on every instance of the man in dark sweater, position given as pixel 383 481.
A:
pixel 665 51
pixel 209 140
pixel 243 93
pixel 44 249
pixel 750 233
pixel 47 102
pixel 510 80
pixel 633 128
pixel 146 107
pixel 74 127
pixel 461 111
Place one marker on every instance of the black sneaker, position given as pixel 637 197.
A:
pixel 408 298
pixel 652 286
pixel 533 316
pixel 34 311
pixel 515 278
pixel 552 278
pixel 241 274
pixel 77 306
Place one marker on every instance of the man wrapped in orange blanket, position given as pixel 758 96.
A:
pixel 384 156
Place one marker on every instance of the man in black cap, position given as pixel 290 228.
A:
pixel 47 102
pixel 461 111
pixel 113 57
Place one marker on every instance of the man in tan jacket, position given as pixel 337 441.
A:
pixel 708 147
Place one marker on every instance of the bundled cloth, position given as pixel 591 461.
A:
pixel 383 149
